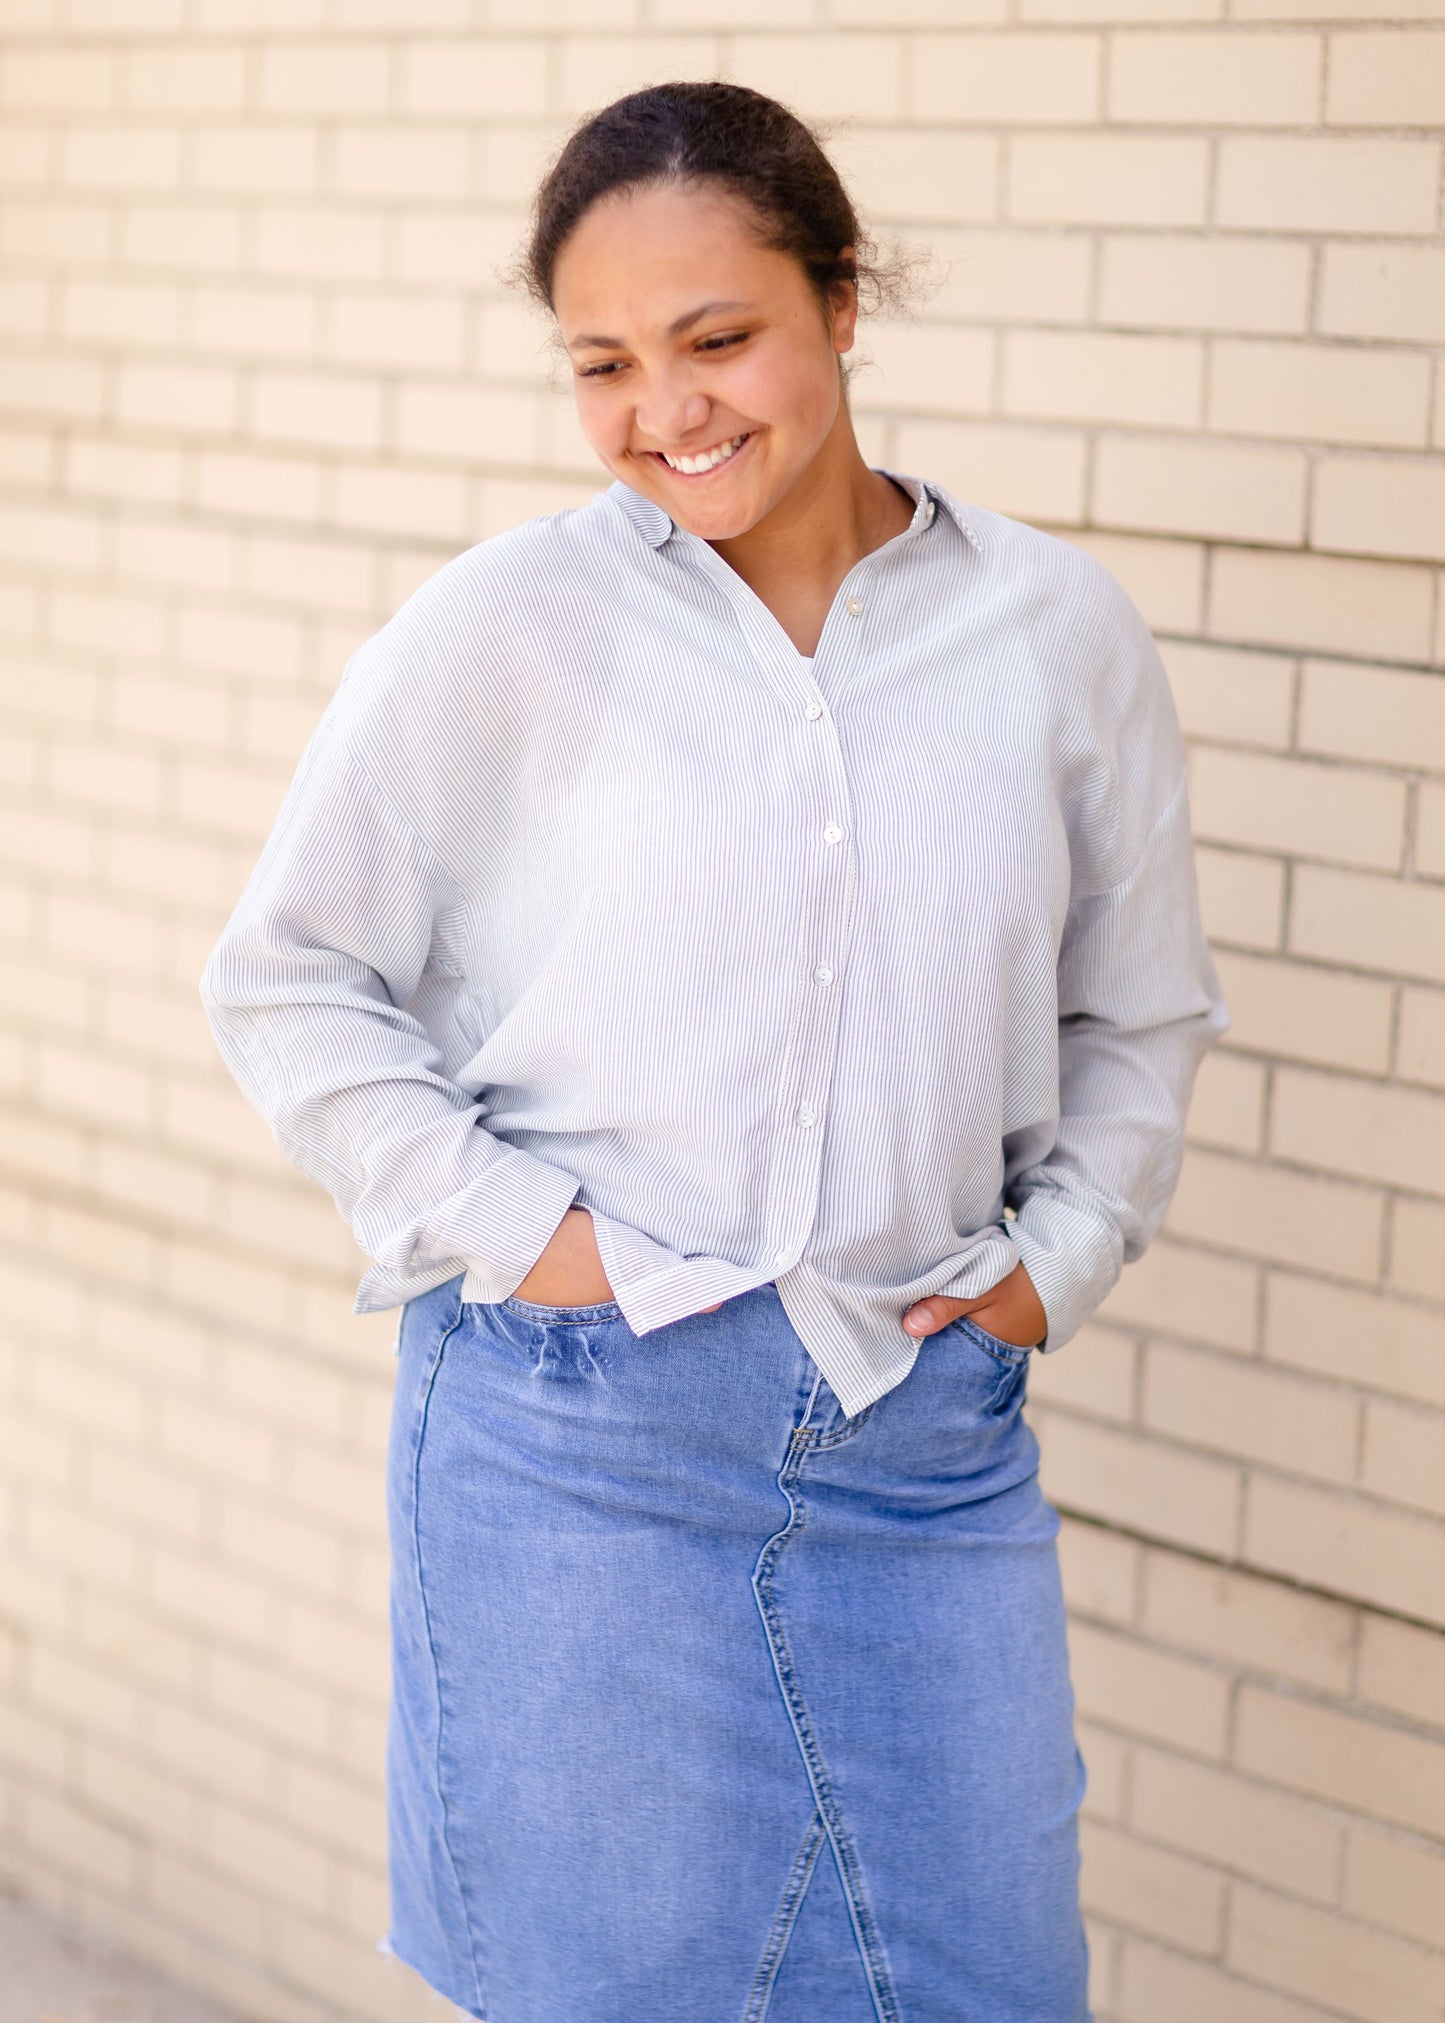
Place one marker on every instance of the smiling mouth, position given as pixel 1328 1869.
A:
pixel 705 461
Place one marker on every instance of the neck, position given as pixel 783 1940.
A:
pixel 838 511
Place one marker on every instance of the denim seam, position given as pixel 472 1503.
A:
pixel 789 1905
pixel 850 1875
pixel 455 1323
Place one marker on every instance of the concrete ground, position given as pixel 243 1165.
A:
pixel 49 1974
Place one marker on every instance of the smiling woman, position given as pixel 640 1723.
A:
pixel 733 953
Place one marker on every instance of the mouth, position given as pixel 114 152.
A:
pixel 704 462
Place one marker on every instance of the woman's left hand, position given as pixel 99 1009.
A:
pixel 1012 1310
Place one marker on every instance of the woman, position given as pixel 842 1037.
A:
pixel 732 953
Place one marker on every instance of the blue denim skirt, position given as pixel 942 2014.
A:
pixel 711 1704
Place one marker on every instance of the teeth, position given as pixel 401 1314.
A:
pixel 709 460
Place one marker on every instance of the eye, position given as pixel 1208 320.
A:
pixel 721 343
pixel 609 370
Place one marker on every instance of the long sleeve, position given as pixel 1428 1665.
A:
pixel 306 994
pixel 1139 1004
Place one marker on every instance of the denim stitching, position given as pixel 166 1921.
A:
pixel 455 1323
pixel 548 1316
pixel 791 1902
pixel 865 1930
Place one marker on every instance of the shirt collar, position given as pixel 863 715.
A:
pixel 657 526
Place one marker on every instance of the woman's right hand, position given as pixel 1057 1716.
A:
pixel 569 1272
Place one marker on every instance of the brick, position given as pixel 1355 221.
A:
pixel 463 423
pixel 314 573
pixel 1384 290
pixel 222 639
pixel 34 387
pixel 417 161
pixel 391 499
pixel 186 82
pixel 225 1447
pixel 279 1866
pixel 1241 897
pixel 1386 77
pixel 53 231
pixel 1430 831
pixel 917 367
pixel 266 487
pixel 1294 805
pixel 128 471
pixel 795 13
pixel 326 409
pixel 1148 1889
pixel 111 158
pixel 178 397
pixel 129 1796
pixel 1329 393
pixel 1010 78
pixel 296 1555
pixel 1404 1458
pixel 1176 1290
pixel 995 275
pixel 1332 603
pixel 259 1695
pixel 185 237
pixel 1277 1215
pixel 323 240
pixel 393 329
pixel 1347 1546
pixel 829 77
pixel 1210 489
pixel 57 78
pixel 1239 1408
pixel 1329 185
pixel 1378 713
pixel 338 75
pixel 435 246
pixel 1225 1613
pixel 1100 1571
pixel 1164 578
pixel 1124 1684
pixel 202 1595
pixel 597 69
pixel 256 161
pixel 1397 1883
pixel 161 709
pixel 1368 1129
pixel 251 322
pixel 1377 923
pixel 1096 1376
pixel 1028 473
pixel 1157 1984
pixel 1121 10
pixel 53 540
pixel 60 1831
pixel 1384 1344
pixel 1382 1772
pixel 1244 1827
pixel 1422 1037
pixel 1115 1477
pixel 1374 506
pixel 1305 1012
pixel 1227 1109
pixel 1323 1958
pixel 1088 376
pixel 121 315
pixel 936 176
pixel 1210 78
pixel 1108 179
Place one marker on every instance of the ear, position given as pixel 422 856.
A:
pixel 845 309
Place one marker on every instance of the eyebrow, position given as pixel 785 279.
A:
pixel 674 329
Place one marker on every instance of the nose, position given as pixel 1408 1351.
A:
pixel 670 412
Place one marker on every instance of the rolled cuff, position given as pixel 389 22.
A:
pixel 1073 1257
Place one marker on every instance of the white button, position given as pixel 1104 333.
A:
pixel 813 711
pixel 928 511
pixel 832 834
pixel 822 974
pixel 855 607
pixel 806 1117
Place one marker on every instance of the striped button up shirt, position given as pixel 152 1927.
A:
pixel 870 975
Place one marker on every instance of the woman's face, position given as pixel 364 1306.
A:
pixel 705 370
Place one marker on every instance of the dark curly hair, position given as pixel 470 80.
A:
pixel 725 134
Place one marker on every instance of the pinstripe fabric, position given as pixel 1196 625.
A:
pixel 869 976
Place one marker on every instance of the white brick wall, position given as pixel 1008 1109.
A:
pixel 257 379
